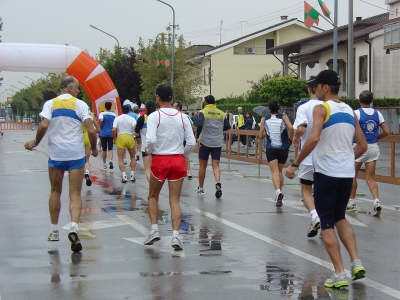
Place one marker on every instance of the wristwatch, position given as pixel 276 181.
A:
pixel 294 165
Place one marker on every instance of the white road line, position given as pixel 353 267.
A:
pixel 321 262
pixel 384 206
pixel 139 227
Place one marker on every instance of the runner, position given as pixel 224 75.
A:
pixel 370 120
pixel 335 126
pixel 211 125
pixel 88 150
pixel 123 129
pixel 106 124
pixel 166 130
pixel 302 129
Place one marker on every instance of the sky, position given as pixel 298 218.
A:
pixel 67 22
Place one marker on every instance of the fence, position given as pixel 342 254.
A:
pixel 256 157
pixel 15 126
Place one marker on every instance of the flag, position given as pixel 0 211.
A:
pixel 325 9
pixel 166 62
pixel 310 15
pixel 158 62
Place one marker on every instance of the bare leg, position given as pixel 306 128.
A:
pixel 346 234
pixel 202 171
pixel 121 154
pixel 280 167
pixel 175 188
pixel 187 160
pixel 88 151
pixel 104 156
pixel 369 178
pixel 333 247
pixel 75 186
pixel 132 154
pixel 273 165
pixel 357 166
pixel 308 199
pixel 146 164
pixel 110 155
pixel 154 192
pixel 56 177
pixel 216 170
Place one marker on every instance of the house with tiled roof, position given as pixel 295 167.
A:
pixel 233 65
pixel 374 69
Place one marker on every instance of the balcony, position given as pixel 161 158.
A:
pixel 391 36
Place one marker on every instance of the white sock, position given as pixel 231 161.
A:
pixel 73 224
pixel 123 174
pixel 313 214
pixel 132 173
pixel 86 172
pixel 54 227
pixel 376 200
pixel 175 233
pixel 352 201
pixel 278 191
pixel 154 227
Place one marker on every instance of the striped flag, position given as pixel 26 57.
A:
pixel 325 9
pixel 311 15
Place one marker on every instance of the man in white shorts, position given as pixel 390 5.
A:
pixel 302 129
pixel 125 126
pixel 370 120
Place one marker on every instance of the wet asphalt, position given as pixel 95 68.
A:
pixel 237 247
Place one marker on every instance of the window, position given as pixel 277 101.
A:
pixel 270 43
pixel 363 68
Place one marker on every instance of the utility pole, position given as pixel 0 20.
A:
pixel 335 37
pixel 220 32
pixel 350 55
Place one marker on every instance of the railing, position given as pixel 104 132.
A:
pixel 391 34
pixel 15 126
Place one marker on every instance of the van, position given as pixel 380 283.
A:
pixel 2 119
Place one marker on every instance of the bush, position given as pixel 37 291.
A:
pixel 287 90
pixel 378 102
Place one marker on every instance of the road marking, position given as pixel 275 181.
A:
pixel 321 262
pixel 300 206
pixel 163 245
pixel 85 228
pixel 384 206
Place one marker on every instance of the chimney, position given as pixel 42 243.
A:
pixel 284 18
pixel 358 19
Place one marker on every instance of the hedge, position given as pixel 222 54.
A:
pixel 378 102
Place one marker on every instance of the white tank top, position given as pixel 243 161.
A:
pixel 334 155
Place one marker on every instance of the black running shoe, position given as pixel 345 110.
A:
pixel 279 200
pixel 88 180
pixel 218 192
pixel 137 157
pixel 111 165
pixel 76 245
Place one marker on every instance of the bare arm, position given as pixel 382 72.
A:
pixel 297 134
pixel 289 125
pixel 96 125
pixel 41 131
pixel 261 133
pixel 385 131
pixel 92 134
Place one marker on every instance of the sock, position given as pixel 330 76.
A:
pixel 123 174
pixel 376 200
pixel 87 172
pixel 132 173
pixel 73 224
pixel 175 233
pixel 154 227
pixel 351 202
pixel 313 214
pixel 278 191
pixel 356 260
pixel 54 227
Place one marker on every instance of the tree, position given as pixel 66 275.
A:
pixel 188 77
pixel 285 89
pixel 120 66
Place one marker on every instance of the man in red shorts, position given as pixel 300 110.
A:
pixel 166 129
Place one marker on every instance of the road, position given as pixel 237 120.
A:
pixel 240 246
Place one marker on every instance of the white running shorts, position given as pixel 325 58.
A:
pixel 306 172
pixel 371 154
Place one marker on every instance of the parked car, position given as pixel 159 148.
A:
pixel 2 119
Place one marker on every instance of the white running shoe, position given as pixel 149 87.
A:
pixel 132 178
pixel 377 209
pixel 200 191
pixel 313 230
pixel 124 179
pixel 176 243
pixel 189 175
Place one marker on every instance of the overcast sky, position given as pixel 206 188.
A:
pixel 67 22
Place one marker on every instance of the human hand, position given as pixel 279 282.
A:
pixel 296 142
pixel 95 152
pixel 30 145
pixel 290 172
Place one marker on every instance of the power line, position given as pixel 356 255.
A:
pixel 377 6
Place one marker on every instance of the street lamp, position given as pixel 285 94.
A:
pixel 173 42
pixel 94 27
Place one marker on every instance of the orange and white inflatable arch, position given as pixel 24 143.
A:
pixel 62 58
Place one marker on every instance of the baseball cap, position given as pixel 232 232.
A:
pixel 328 77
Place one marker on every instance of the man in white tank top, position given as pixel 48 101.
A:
pixel 334 129
pixel 166 130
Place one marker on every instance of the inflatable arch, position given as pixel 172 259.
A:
pixel 63 58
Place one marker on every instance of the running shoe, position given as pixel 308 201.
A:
pixel 100 150
pixel 104 166
pixel 377 209
pixel 341 293
pixel 337 281
pixel 76 245
pixel 88 180
pixel 200 191
pixel 218 192
pixel 279 200
pixel 125 162
pixel 137 157
pixel 124 179
pixel 176 243
pixel 357 270
pixel 54 236
pixel 111 165
pixel 351 206
pixel 313 230
pixel 189 175
pixel 132 178
pixel 152 238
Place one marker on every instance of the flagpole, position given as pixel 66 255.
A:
pixel 335 37
pixel 350 55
